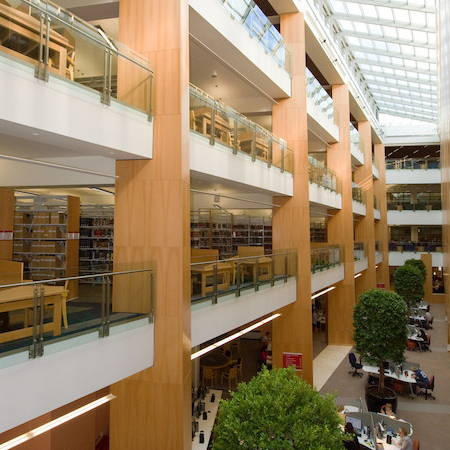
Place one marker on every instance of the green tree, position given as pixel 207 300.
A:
pixel 420 265
pixel 277 410
pixel 379 319
pixel 408 283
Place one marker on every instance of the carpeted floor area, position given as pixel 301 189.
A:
pixel 430 418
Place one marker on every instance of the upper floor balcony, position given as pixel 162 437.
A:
pixel 355 147
pixel 229 293
pixel 65 84
pixel 324 185
pixel 376 208
pixel 227 145
pixel 401 251
pixel 414 208
pixel 327 266
pixel 378 252
pixel 358 200
pixel 322 116
pixel 52 328
pixel 360 256
pixel 413 171
pixel 375 168
pixel 244 37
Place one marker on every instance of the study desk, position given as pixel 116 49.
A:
pixel 416 338
pixel 206 425
pixel 213 360
pixel 22 297
pixel 206 272
pixel 261 147
pixel 261 266
pixel 408 378
pixel 222 126
pixel 25 28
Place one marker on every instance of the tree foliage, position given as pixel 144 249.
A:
pixel 408 283
pixel 420 265
pixel 277 410
pixel 379 320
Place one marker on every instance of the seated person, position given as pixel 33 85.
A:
pixel 421 379
pixel 352 443
pixel 387 409
pixel 263 354
pixel 405 441
pixel 422 335
pixel 428 319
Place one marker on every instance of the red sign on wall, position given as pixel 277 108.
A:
pixel 381 285
pixel 293 359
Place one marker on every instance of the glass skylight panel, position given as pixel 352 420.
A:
pixel 369 10
pixel 385 13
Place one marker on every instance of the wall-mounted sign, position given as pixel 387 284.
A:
pixel 381 285
pixel 293 359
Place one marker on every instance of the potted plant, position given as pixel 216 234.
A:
pixel 408 283
pixel 379 320
pixel 277 410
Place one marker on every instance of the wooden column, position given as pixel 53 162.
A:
pixel 340 226
pixel 365 227
pixel 6 222
pixel 292 332
pixel 153 408
pixel 428 285
pixel 381 227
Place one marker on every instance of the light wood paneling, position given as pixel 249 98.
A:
pixel 292 332
pixel 6 221
pixel 381 227
pixel 152 224
pixel 365 227
pixel 340 226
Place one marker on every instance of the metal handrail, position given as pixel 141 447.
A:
pixel 241 259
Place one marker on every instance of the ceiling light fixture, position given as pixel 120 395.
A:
pixel 230 338
pixel 356 276
pixel 323 292
pixel 54 423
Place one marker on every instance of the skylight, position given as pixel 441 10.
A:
pixel 392 44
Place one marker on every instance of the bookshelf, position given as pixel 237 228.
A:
pixel 96 240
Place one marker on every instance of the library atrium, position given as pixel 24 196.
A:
pixel 160 165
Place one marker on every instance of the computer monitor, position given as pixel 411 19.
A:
pixel 357 424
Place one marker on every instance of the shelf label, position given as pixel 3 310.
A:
pixel 71 236
pixel 6 235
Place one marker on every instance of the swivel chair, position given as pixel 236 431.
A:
pixel 428 389
pixel 355 365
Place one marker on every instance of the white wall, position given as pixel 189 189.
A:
pixel 320 195
pixel 326 278
pixel 36 386
pixel 359 208
pixel 414 217
pixel 320 124
pixel 361 265
pixel 399 258
pixel 211 321
pixel 67 115
pixel 219 161
pixel 357 155
pixel 413 176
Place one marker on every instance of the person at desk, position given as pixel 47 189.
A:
pixel 422 335
pixel 421 379
pixel 387 410
pixel 405 441
pixel 352 443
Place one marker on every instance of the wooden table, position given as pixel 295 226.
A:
pixel 222 126
pixel 213 360
pixel 224 271
pixel 264 266
pixel 21 297
pixel 261 147
pixel 22 27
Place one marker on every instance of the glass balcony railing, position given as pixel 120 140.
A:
pixel 226 126
pixel 57 43
pixel 358 194
pixel 411 164
pixel 321 175
pixel 354 135
pixel 419 206
pixel 261 29
pixel 36 315
pixel 359 251
pixel 408 246
pixel 232 277
pixel 326 258
pixel 319 96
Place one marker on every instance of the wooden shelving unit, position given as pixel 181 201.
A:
pixel 96 240
pixel 226 232
pixel 46 237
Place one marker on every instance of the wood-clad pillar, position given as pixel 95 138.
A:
pixel 292 332
pixel 381 227
pixel 365 227
pixel 428 285
pixel 6 222
pixel 340 226
pixel 153 408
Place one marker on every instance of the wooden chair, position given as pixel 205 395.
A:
pixel 230 376
pixel 238 364
pixel 209 374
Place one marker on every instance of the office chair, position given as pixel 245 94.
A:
pixel 355 365
pixel 426 345
pixel 428 389
pixel 416 444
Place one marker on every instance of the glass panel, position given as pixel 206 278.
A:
pixel 322 175
pixel 319 95
pixel 228 278
pixel 326 258
pixel 43 312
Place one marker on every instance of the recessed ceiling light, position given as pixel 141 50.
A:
pixel 35 134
